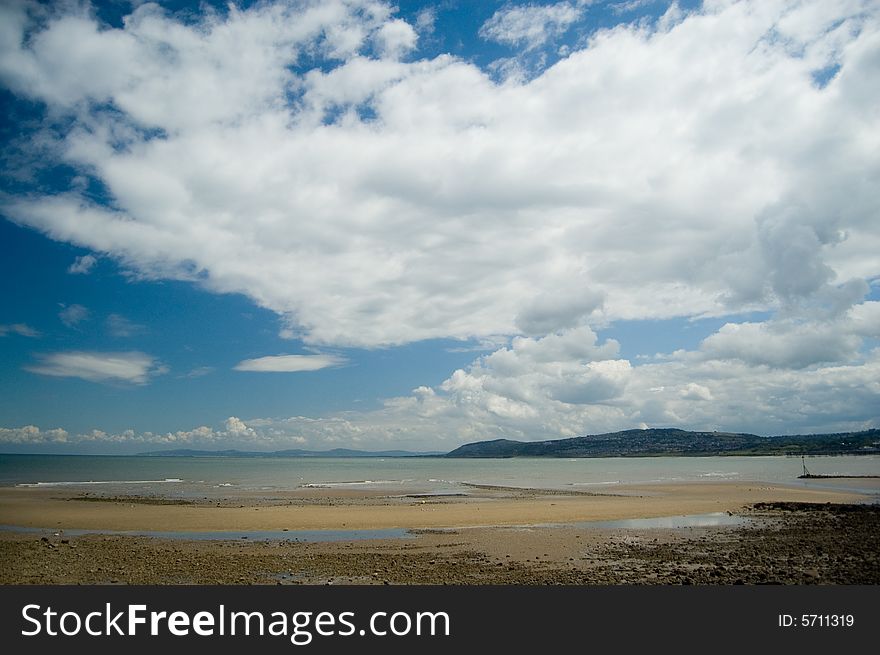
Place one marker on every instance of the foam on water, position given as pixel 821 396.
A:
pixel 77 483
pixel 188 476
pixel 353 483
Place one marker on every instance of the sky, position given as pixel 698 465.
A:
pixel 349 223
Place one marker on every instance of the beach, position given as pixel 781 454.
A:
pixel 329 509
pixel 724 533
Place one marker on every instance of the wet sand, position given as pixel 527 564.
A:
pixel 790 535
pixel 330 509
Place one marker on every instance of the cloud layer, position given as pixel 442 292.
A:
pixel 289 363
pixel 73 315
pixel 126 367
pixel 713 162
pixel 21 329
pixel 571 384
pixel 530 26
pixel 82 265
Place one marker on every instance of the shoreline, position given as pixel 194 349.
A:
pixel 508 536
pixel 783 543
pixel 323 509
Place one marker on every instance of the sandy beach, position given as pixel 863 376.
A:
pixel 493 536
pixel 332 509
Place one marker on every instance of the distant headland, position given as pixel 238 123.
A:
pixel 657 442
pixel 652 442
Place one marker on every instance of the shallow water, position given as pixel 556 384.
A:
pixel 215 477
pixel 697 520
pixel 715 519
pixel 230 535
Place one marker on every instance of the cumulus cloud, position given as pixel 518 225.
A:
pixel 82 265
pixel 235 427
pixel 425 20
pixel 289 363
pixel 716 162
pixel 73 315
pixel 798 342
pixel 688 167
pixel 21 329
pixel 31 434
pixel 530 26
pixel 234 431
pixel 864 319
pixel 560 386
pixel 128 367
pixel 395 38
pixel 570 383
pixel 559 310
pixel 694 391
pixel 561 398
pixel 783 345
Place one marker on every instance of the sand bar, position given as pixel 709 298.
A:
pixel 49 508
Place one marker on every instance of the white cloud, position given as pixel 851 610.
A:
pixel 21 329
pixel 560 309
pixel 509 395
pixel 688 168
pixel 833 332
pixel 781 344
pixel 396 38
pixel 865 319
pixel 630 5
pixel 425 20
pixel 128 367
pixel 569 384
pixel 237 428
pixel 73 315
pixel 234 431
pixel 31 434
pixel 694 391
pixel 121 327
pixel 289 363
pixel 83 265
pixel 199 371
pixel 531 26
pixel 691 167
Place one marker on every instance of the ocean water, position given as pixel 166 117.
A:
pixel 222 476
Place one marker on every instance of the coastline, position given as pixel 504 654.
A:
pixel 334 509
pixel 783 534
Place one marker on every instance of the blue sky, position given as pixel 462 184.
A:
pixel 352 224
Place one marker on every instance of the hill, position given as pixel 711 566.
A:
pixel 672 441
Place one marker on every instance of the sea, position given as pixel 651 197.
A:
pixel 190 477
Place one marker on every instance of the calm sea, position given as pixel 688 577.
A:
pixel 218 476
